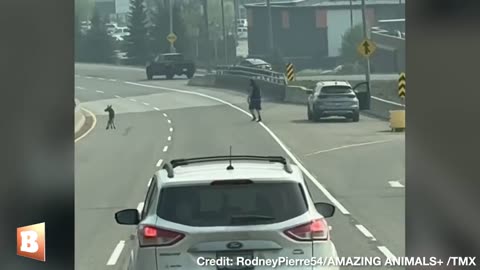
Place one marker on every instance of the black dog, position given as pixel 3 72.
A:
pixel 111 117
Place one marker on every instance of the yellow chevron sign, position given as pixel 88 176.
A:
pixel 402 85
pixel 290 72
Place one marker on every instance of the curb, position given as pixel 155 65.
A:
pixel 79 116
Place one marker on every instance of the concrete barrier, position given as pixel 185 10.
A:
pixel 205 81
pixel 296 95
pixel 270 91
pixel 79 116
pixel 381 108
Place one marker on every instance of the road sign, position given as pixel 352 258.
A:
pixel 366 48
pixel 402 81
pixel 171 38
pixel 290 72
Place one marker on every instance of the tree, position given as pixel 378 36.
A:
pixel 84 9
pixel 136 42
pixel 350 41
pixel 78 39
pixel 215 14
pixel 183 43
pixel 98 44
pixel 160 28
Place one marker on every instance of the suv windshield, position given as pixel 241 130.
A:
pixel 336 90
pixel 232 205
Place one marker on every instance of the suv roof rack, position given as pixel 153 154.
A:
pixel 169 166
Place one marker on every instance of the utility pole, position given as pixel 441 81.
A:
pixel 366 36
pixel 351 13
pixel 170 7
pixel 224 35
pixel 235 10
pixel 401 13
pixel 270 27
pixel 207 33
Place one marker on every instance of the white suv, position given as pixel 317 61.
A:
pixel 228 207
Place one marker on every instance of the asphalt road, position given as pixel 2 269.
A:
pixel 359 165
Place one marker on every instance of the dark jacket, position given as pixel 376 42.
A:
pixel 255 93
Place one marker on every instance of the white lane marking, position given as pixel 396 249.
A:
pixel 386 252
pixel 101 79
pixel 79 87
pixel 140 207
pixel 395 184
pixel 149 182
pixel 169 121
pixel 146 104
pixel 155 108
pixel 88 77
pixel 164 114
pixel 98 91
pixel 116 253
pixel 388 101
pixel 169 138
pixel 165 148
pixel 290 154
pixel 159 163
pixel 112 80
pixel 347 146
pixel 365 232
pixel 118 96
pixel 133 100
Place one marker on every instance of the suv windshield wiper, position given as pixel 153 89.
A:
pixel 249 218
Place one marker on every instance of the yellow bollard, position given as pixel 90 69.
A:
pixel 397 120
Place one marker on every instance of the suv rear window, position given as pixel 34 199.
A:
pixel 336 90
pixel 231 205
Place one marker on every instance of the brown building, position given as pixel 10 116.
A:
pixel 309 32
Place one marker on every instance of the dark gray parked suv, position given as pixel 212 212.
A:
pixel 333 98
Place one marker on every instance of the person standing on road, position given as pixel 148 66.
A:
pixel 255 101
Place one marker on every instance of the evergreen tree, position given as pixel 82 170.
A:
pixel 183 43
pixel 350 41
pixel 78 38
pixel 136 42
pixel 98 45
pixel 161 28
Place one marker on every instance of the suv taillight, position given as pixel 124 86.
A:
pixel 151 236
pixel 313 231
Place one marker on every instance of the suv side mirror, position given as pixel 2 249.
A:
pixel 325 209
pixel 127 217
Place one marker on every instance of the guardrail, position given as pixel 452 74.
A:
pixel 253 73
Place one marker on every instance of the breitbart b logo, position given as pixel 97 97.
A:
pixel 31 241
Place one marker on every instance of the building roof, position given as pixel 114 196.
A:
pixel 321 3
